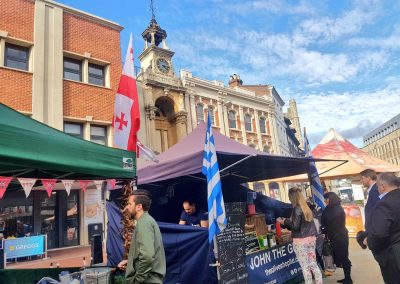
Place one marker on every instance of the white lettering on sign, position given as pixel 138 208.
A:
pixel 259 260
pixel 279 252
pixel 290 248
pixel 27 246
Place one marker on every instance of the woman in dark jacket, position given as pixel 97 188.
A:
pixel 333 225
pixel 301 223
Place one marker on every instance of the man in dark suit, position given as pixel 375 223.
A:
pixel 368 180
pixel 384 231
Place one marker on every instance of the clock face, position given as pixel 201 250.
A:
pixel 163 65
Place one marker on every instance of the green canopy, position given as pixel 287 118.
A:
pixel 29 148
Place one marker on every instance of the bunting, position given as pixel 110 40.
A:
pixel 49 185
pixel 67 185
pixel 27 184
pixel 84 184
pixel 4 182
pixel 98 184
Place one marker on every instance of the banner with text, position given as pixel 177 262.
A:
pixel 273 266
pixel 27 246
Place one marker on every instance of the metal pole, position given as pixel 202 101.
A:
pixel 45 246
pixel 242 160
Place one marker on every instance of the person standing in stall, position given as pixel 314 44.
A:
pixel 192 217
pixel 333 225
pixel 301 223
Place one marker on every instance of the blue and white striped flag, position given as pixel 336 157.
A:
pixel 216 208
pixel 316 186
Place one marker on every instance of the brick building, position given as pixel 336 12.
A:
pixel 61 66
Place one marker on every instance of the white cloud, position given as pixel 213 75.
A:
pixel 350 113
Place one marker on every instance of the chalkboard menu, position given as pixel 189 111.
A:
pixel 231 245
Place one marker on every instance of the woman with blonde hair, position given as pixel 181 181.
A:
pixel 301 223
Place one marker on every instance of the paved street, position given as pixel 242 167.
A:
pixel 365 269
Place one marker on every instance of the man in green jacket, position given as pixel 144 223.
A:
pixel 146 259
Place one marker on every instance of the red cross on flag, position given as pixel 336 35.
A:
pixel 126 121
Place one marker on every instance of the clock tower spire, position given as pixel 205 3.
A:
pixel 156 54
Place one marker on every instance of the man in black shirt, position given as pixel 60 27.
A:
pixel 192 217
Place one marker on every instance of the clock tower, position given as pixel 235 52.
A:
pixel 165 102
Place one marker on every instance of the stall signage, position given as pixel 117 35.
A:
pixel 27 246
pixel 252 243
pixel 231 246
pixel 275 265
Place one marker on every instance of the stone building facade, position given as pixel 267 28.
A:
pixel 384 141
pixel 173 105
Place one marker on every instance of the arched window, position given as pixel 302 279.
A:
pixel 200 112
pixel 262 125
pixel 266 149
pixel 232 119
pixel 211 114
pixel 247 122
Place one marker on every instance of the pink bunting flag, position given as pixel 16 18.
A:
pixel 98 184
pixel 67 184
pixel 4 182
pixel 49 185
pixel 27 184
pixel 84 184
pixel 112 183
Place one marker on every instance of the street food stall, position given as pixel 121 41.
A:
pixel 178 176
pixel 37 163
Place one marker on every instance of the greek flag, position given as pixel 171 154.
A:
pixel 216 208
pixel 316 186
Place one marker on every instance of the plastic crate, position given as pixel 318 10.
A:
pixel 97 275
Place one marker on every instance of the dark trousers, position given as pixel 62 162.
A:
pixel 390 269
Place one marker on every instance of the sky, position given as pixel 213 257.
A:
pixel 338 59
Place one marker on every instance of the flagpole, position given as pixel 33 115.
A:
pixel 307 149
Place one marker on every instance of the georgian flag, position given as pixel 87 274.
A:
pixel 126 121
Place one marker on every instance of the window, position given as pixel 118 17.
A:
pixel 232 119
pixel 98 134
pixel 267 149
pixel 96 74
pixel 16 57
pixel 211 114
pixel 247 122
pixel 262 125
pixel 73 129
pixel 200 113
pixel 72 69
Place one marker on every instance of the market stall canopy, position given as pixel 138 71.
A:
pixel 29 148
pixel 334 146
pixel 246 164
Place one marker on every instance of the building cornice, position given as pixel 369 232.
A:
pixel 82 14
pixel 229 91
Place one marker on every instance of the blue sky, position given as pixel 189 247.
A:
pixel 338 59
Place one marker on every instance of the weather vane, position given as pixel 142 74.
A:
pixel 153 16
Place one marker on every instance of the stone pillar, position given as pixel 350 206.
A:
pixel 188 110
pixel 241 116
pixel 151 128
pixel 181 121
pixel 220 115
pixel 226 121
pixel 274 134
pixel 260 147
pixel 193 108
